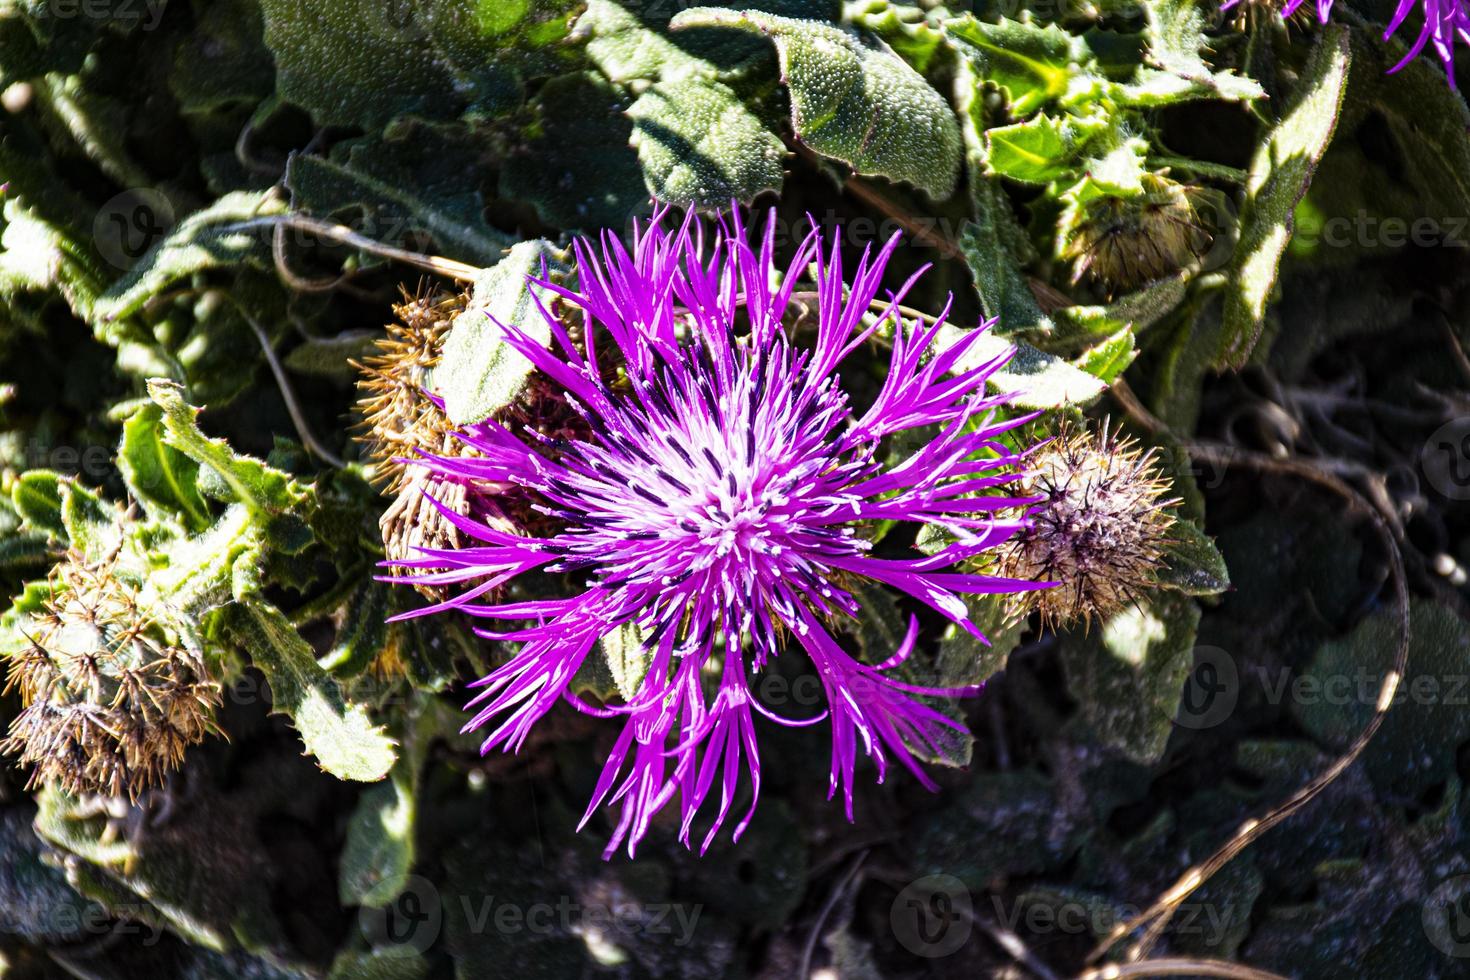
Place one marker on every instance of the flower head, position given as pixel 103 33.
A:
pixel 1098 531
pixel 1127 242
pixel 720 504
pixel 111 700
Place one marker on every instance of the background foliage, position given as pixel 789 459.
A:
pixel 148 147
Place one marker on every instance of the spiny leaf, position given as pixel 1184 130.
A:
pixel 250 481
pixel 340 735
pixel 160 476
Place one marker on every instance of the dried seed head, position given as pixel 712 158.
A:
pixel 1099 529
pixel 111 700
pixel 399 417
pixel 1126 242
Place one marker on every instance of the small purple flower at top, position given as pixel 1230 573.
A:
pixel 1445 22
pixel 720 505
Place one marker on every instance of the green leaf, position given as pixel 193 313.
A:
pixel 1128 676
pixel 91 524
pixel 206 239
pixel 575 164
pixel 164 479
pixel 854 101
pixel 366 62
pixel 261 488
pixel 1279 175
pixel 479 373
pixel 1416 747
pixel 1031 63
pixel 626 657
pixel 416 178
pixel 1175 33
pixel 378 854
pixel 1004 292
pixel 701 147
pixel 36 497
pixel 1192 563
pixel 340 735
pixel 1035 378
pixel 1042 149
pixel 1109 358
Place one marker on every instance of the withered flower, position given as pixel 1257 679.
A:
pixel 112 697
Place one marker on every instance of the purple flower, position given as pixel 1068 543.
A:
pixel 1444 22
pixel 720 505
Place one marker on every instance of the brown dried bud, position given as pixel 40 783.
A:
pixel 112 698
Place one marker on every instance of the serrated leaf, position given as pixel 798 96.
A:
pixel 1042 149
pixel 1034 64
pixel 1175 34
pixel 340 735
pixel 1128 676
pixel 479 373
pixel 160 476
pixel 261 488
pixel 701 147
pixel 1280 173
pixel 854 101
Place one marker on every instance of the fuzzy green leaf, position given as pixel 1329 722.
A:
pixel 855 101
pixel 1280 173
pixel 339 734
pixel 1129 675
pixel 701 147
pixel 479 373
pixel 207 239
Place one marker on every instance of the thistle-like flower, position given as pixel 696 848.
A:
pixel 112 699
pixel 719 503
pixel 1098 531
pixel 1127 242
pixel 400 416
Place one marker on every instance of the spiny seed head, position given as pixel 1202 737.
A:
pixel 1126 242
pixel 399 417
pixel 1098 531
pixel 111 700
